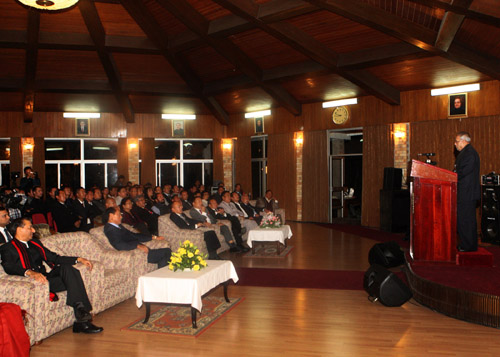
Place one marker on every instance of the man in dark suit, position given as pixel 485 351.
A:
pixel 24 256
pixel 198 214
pixel 184 222
pixel 82 209
pixel 5 236
pixel 467 166
pixel 250 210
pixel 186 205
pixel 217 213
pixel 64 217
pixel 145 214
pixel 123 239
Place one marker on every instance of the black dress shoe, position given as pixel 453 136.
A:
pixel 86 327
pixel 82 315
pixel 234 250
pixel 243 248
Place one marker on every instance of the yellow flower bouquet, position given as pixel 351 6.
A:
pixel 188 257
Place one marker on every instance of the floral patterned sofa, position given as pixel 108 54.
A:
pixel 112 280
pixel 176 236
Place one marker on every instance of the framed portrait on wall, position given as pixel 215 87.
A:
pixel 82 127
pixel 259 125
pixel 178 128
pixel 457 105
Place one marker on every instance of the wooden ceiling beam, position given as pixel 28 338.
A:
pixel 450 24
pixel 155 33
pixel 193 20
pixel 312 48
pixel 96 31
pixel 31 63
pixel 410 32
pixel 470 14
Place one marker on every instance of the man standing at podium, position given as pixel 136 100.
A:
pixel 468 192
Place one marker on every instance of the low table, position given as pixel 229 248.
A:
pixel 183 287
pixel 278 235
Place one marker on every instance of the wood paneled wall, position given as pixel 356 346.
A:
pixel 39 159
pixel 16 156
pixel 281 173
pixel 122 158
pixel 148 161
pixel 378 152
pixel 315 194
pixel 243 162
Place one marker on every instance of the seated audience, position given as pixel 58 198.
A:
pixel 130 218
pixel 205 196
pixel 167 193
pixel 184 222
pixel 37 205
pixel 146 215
pixel 217 213
pixel 5 236
pixel 267 203
pixel 120 195
pixel 65 218
pixel 82 210
pixel 123 239
pixel 186 205
pixel 159 207
pixel 198 214
pixel 25 255
pixel 150 197
pixel 249 209
pixel 230 208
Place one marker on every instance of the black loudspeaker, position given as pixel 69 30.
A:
pixel 395 210
pixel 393 178
pixel 384 286
pixel 490 215
pixel 387 255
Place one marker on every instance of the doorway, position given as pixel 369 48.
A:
pixel 345 174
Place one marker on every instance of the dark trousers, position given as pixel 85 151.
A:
pixel 236 227
pixel 211 241
pixel 227 235
pixel 467 225
pixel 66 277
pixel 159 256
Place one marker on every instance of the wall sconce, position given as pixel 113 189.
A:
pixel 399 134
pixel 227 144
pixel 298 138
pixel 28 147
pixel 132 146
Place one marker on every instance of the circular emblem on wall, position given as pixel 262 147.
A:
pixel 340 115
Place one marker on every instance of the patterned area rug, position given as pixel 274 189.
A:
pixel 268 250
pixel 176 319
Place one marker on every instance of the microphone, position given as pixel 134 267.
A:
pixel 427 154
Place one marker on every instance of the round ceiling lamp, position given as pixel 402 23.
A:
pixel 49 4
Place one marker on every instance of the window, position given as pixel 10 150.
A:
pixel 5 162
pixel 259 165
pixel 183 162
pixel 81 162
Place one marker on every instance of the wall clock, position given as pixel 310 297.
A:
pixel 340 115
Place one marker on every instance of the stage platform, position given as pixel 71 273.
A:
pixel 469 292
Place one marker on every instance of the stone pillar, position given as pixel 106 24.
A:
pixel 227 163
pixel 27 146
pixel 299 145
pixel 133 160
pixel 402 148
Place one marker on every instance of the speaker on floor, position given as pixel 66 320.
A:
pixel 384 286
pixel 387 255
pixel 490 215
pixel 393 178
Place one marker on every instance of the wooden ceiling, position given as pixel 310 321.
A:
pixel 225 57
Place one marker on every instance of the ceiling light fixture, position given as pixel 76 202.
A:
pixel 52 5
pixel 82 115
pixel 339 103
pixel 179 116
pixel 259 114
pixel 456 89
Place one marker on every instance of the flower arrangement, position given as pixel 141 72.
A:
pixel 270 221
pixel 187 256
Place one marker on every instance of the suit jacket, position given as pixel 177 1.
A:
pixel 11 260
pixel 230 208
pixel 186 206
pixel 82 210
pixel 179 222
pixel 147 216
pixel 197 216
pixel 123 239
pixel 467 167
pixel 249 209
pixel 64 217
pixel 262 204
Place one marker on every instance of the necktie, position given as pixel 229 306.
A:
pixel 7 234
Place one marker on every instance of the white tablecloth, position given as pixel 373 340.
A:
pixel 186 287
pixel 269 234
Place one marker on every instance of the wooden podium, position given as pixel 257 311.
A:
pixel 433 232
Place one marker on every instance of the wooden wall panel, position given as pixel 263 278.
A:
pixel 378 152
pixel 16 157
pixel 122 158
pixel 243 159
pixel 281 177
pixel 39 159
pixel 148 161
pixel 218 173
pixel 315 177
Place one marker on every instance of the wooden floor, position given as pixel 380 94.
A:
pixel 298 322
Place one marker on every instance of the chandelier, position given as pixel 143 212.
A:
pixel 49 4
